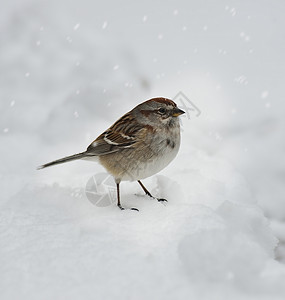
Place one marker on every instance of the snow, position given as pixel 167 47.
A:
pixel 64 80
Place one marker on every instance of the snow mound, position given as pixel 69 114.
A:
pixel 236 250
pixel 55 237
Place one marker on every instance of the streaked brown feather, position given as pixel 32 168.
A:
pixel 122 134
pixel 163 100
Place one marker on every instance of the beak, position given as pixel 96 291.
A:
pixel 177 112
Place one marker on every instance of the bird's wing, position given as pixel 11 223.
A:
pixel 121 135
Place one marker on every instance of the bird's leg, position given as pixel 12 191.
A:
pixel 145 190
pixel 149 194
pixel 118 198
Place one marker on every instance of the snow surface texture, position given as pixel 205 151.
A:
pixel 68 71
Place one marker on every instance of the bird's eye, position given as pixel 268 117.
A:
pixel 162 111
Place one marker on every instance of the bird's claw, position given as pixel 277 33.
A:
pixel 161 200
pixel 123 208
pixel 134 208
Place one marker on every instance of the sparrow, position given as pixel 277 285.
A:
pixel 138 145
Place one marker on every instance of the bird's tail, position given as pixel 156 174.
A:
pixel 63 160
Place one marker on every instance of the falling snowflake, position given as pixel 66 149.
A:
pixel 241 80
pixel 244 36
pixel 223 52
pixel 105 24
pixel 264 94
pixel 76 26
pixel 218 137
pixel 233 12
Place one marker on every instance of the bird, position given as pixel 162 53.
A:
pixel 138 145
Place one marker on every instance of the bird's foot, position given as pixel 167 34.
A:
pixel 162 200
pixel 123 208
